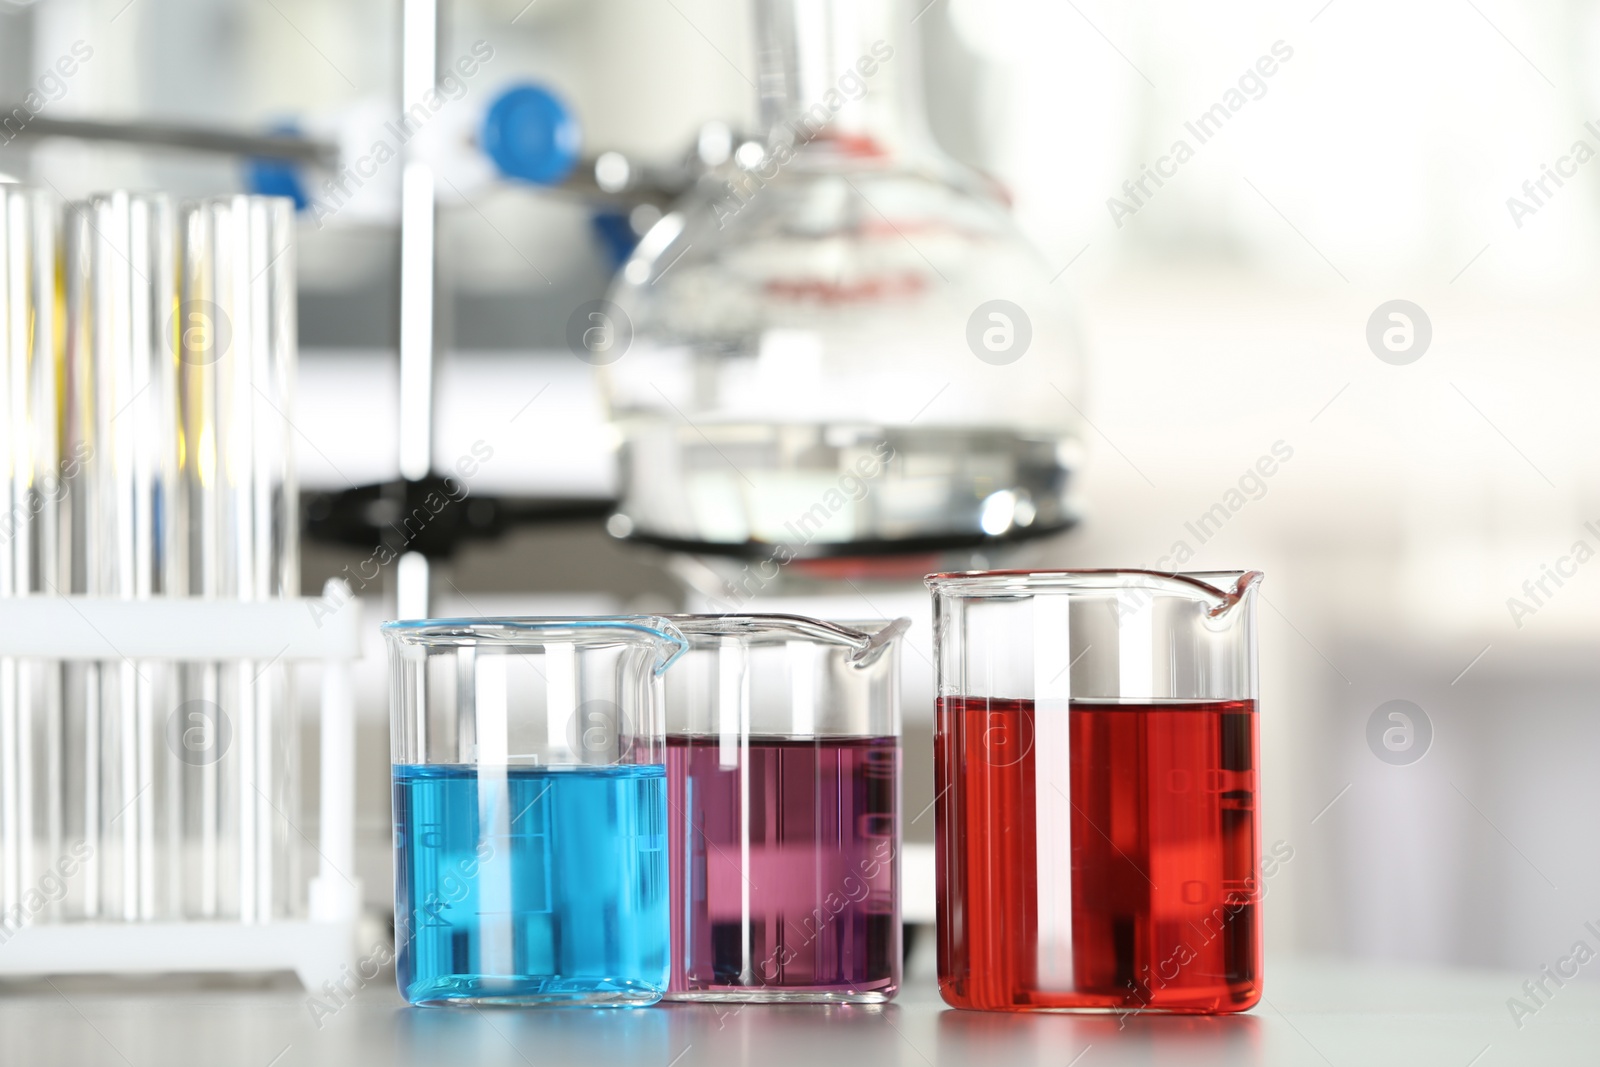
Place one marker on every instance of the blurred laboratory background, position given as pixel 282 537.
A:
pixel 1225 205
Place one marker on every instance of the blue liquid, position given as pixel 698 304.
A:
pixel 531 885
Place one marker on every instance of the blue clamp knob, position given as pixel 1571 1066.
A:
pixel 278 177
pixel 531 134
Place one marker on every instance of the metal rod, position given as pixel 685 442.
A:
pixel 419 73
pixel 419 58
pixel 189 138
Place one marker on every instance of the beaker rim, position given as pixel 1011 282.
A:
pixel 516 629
pixel 868 637
pixel 1225 586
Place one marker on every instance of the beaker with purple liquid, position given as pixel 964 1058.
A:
pixel 783 794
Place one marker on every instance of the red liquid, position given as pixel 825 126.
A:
pixel 798 896
pixel 1156 903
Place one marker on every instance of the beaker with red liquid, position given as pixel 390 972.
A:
pixel 1096 773
pixel 783 790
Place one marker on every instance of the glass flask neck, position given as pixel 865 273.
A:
pixel 840 78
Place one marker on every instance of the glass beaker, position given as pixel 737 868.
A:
pixel 783 760
pixel 840 341
pixel 1095 757
pixel 530 809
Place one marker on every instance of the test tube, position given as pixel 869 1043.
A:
pixel 80 700
pixel 119 259
pixel 237 504
pixel 30 802
pixel 197 515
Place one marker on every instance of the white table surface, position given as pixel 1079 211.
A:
pixel 1316 1012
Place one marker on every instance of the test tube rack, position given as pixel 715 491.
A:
pixel 318 947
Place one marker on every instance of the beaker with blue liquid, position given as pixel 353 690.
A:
pixel 530 810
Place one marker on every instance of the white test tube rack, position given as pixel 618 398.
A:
pixel 316 948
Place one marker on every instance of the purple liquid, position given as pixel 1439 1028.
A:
pixel 814 857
